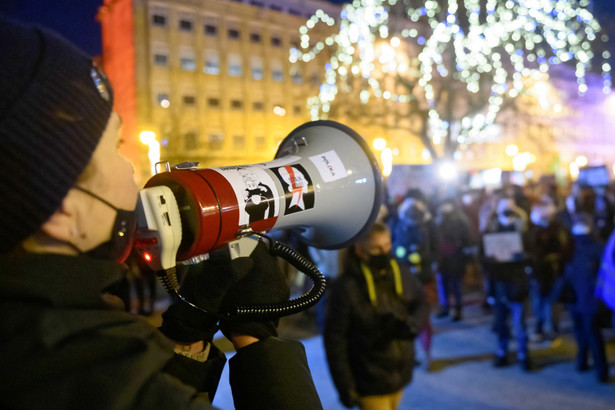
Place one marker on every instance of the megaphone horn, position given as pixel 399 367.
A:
pixel 324 183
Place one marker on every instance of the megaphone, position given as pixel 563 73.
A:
pixel 323 183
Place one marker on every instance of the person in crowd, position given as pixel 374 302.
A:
pixel 550 246
pixel 67 221
pixel 414 242
pixel 506 261
pixel 454 243
pixel 581 274
pixel 328 262
pixel 605 286
pixel 373 315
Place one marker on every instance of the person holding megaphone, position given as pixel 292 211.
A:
pixel 67 221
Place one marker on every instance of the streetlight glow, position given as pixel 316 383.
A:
pixel 581 160
pixel 379 144
pixel 512 150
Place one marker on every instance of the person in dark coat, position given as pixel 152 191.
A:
pixel 508 265
pixel 550 242
pixel 67 224
pixel 581 274
pixel 454 243
pixel 373 316
pixel 415 243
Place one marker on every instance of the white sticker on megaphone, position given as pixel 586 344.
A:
pixel 329 165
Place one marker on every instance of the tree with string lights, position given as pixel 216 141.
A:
pixel 453 64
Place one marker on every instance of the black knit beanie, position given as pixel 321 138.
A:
pixel 54 107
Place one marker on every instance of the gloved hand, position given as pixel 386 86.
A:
pixel 350 399
pixel 204 285
pixel 264 284
pixel 396 328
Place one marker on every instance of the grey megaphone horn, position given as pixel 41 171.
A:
pixel 324 184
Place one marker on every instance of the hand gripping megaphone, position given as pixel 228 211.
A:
pixel 324 184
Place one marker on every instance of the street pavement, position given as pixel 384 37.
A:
pixel 461 375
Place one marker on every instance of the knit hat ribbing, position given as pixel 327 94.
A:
pixel 54 107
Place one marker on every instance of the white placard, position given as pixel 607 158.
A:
pixel 503 246
pixel 329 165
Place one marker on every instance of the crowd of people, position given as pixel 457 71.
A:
pixel 534 249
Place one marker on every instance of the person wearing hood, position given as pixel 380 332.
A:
pixel 508 266
pixel 67 223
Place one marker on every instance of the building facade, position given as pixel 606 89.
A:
pixel 210 78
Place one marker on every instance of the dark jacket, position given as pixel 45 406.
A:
pixel 549 251
pixel 416 246
pixel 66 344
pixel 581 272
pixel 454 240
pixel 370 346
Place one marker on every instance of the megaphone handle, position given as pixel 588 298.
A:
pixel 307 300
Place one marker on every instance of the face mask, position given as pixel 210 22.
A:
pixel 120 244
pixel 580 229
pixel 538 219
pixel 379 262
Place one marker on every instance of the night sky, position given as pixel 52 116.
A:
pixel 76 20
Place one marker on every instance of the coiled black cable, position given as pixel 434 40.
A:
pixel 289 307
pixel 264 311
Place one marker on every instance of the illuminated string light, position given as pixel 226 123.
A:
pixel 492 47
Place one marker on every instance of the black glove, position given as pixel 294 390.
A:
pixel 264 284
pixel 350 399
pixel 396 328
pixel 204 285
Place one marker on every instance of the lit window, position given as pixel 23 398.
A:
pixel 159 20
pixel 260 142
pixel 255 38
pixel 257 73
pixel 185 25
pixel 187 63
pixel 211 30
pixel 277 75
pixel 215 142
pixel 189 100
pixel 212 63
pixel 160 59
pixel 233 34
pixel 191 141
pixel 162 97
pixel 239 141
pixel 234 66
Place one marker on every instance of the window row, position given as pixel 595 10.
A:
pixel 190 100
pixel 215 142
pixel 235 67
pixel 211 29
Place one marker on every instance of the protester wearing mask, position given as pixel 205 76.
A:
pixel 581 274
pixel 550 245
pixel 66 225
pixel 373 314
pixel 509 281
